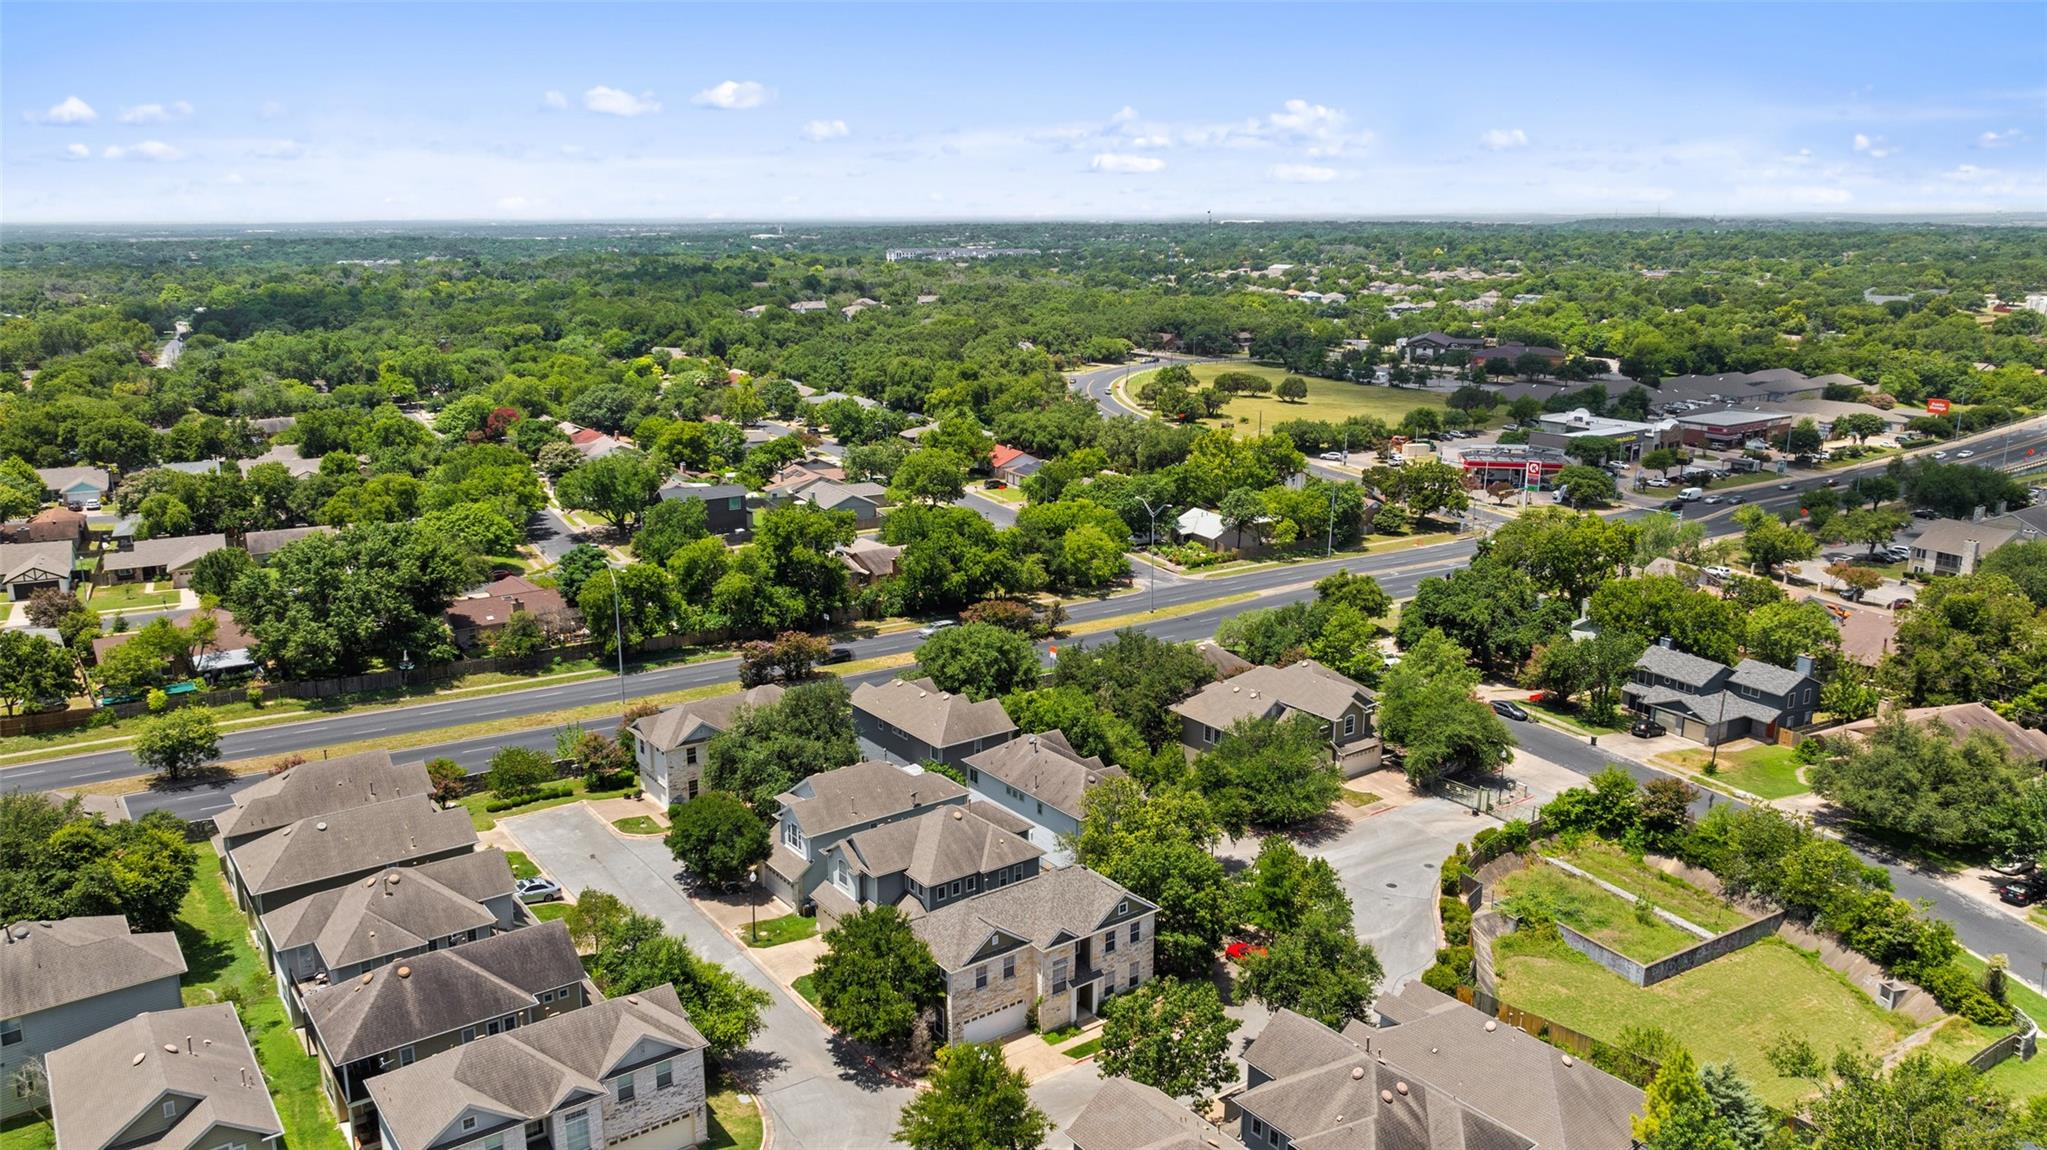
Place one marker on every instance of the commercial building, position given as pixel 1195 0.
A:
pixel 1729 427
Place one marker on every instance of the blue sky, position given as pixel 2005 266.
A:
pixel 276 112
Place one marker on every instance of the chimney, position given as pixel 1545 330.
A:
pixel 1804 665
pixel 1976 516
pixel 1664 642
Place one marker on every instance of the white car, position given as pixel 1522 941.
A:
pixel 1332 456
pixel 1657 481
pixel 934 627
pixel 1712 499
pixel 1718 572
pixel 1965 455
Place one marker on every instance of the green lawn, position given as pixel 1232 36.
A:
pixel 1605 918
pixel 1332 400
pixel 1082 1050
pixel 129 597
pixel 1604 861
pixel 1730 1009
pixel 27 1132
pixel 1767 772
pixel 776 931
pixel 223 965
pixel 1359 798
pixel 477 804
pixel 522 866
pixel 735 1125
pixel 1059 1034
pixel 2023 1079
pixel 806 985
pixel 638 825
pixel 549 911
pixel 1571 717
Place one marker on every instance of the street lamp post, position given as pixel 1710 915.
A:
pixel 753 906
pixel 618 635
pixel 1152 539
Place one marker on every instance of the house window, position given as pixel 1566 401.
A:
pixel 406 1056
pixel 1008 967
pixel 469 1034
pixel 1059 974
pixel 689 756
pixel 576 1130
pixel 981 977
pixel 1136 932
pixel 692 788
pixel 469 1122
pixel 626 1091
pixel 792 837
pixel 1350 725
pixel 1257 1128
pixel 10 1031
pixel 170 1108
pixel 955 887
pixel 1208 734
pixel 1133 975
pixel 1123 907
pixel 1109 943
pixel 494 1142
pixel 664 1075
pixel 547 996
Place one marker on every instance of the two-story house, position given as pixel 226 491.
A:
pixel 1042 779
pixel 182 1079
pixel 625 1074
pixel 826 807
pixel 1958 546
pixel 330 850
pixel 1128 1115
pixel 319 787
pixel 1710 702
pixel 61 981
pixel 1066 940
pixel 395 1016
pixel 925 861
pixel 670 747
pixel 1304 688
pixel 911 720
pixel 1437 1076
pixel 333 935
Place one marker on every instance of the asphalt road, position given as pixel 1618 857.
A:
pixel 550 534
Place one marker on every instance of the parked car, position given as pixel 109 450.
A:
pixel 1507 709
pixel 839 655
pixel 1657 481
pixel 1925 513
pixel 1965 455
pixel 1332 456
pixel 1719 572
pixel 2023 891
pixel 537 889
pixel 1783 487
pixel 1239 951
pixel 1647 729
pixel 1897 554
pixel 935 626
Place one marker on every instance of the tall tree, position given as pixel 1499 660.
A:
pixel 876 978
pixel 1160 847
pixel 979 660
pixel 1172 1036
pixel 1269 772
pixel 617 488
pixel 768 749
pixel 717 838
pixel 1427 708
pixel 976 1102
pixel 177 742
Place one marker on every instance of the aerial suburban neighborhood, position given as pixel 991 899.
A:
pixel 812 621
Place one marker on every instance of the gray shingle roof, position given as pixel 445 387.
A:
pixel 18 560
pixel 1127 1115
pixel 261 543
pixel 1676 665
pixel 321 787
pixel 529 1072
pixel 832 801
pixel 100 1085
pixel 442 991
pixel 44 965
pixel 1707 708
pixel 1953 536
pixel 326 848
pixel 935 717
pixel 937 846
pixel 1306 686
pixel 392 911
pixel 172 553
pixel 1766 677
pixel 59 478
pixel 685 722
pixel 1046 767
pixel 1057 904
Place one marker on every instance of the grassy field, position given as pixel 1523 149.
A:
pixel 1332 400
pixel 638 825
pixel 129 597
pixel 1572 718
pixel 549 911
pixel 806 985
pixel 522 866
pixel 1605 918
pixel 579 790
pixel 224 965
pixel 27 1132
pixel 1083 1049
pixel 776 931
pixel 1728 1010
pixel 1767 772
pixel 2022 1079
pixel 735 1125
pixel 1701 908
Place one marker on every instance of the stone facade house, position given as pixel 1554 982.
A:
pixel 1065 940
pixel 670 747
pixel 325 851
pixel 1344 705
pixel 626 1074
pixel 926 861
pixel 911 720
pixel 182 1079
pixel 1711 703
pixel 67 979
pixel 1041 779
pixel 334 935
pixel 395 1016
pixel 830 805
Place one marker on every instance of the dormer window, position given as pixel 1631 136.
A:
pixel 468 1122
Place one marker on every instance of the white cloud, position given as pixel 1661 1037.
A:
pixel 2004 139
pixel 1151 141
pixel 733 95
pixel 614 102
pixel 1499 139
pixel 1875 147
pixel 72 111
pixel 156 113
pixel 77 151
pixel 271 110
pixel 1305 118
pixel 1124 115
pixel 1325 129
pixel 278 149
pixel 1969 173
pixel 1119 163
pixel 1302 173
pixel 234 178
pixel 146 150
pixel 821 130
pixel 554 99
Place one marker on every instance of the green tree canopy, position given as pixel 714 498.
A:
pixel 717 837
pixel 876 978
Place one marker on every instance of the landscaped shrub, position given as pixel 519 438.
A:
pixel 1453 869
pixel 1452 969
pixel 540 795
pixel 1456 922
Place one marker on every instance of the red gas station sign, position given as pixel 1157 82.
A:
pixel 1938 406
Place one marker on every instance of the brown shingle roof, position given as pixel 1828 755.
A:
pixel 938 846
pixel 1306 686
pixel 531 1071
pixel 321 787
pixel 935 717
pixel 1057 904
pixel 686 722
pixel 1046 767
pixel 866 792
pixel 1962 719
pixel 503 597
pixel 442 991
pixel 261 544
pixel 173 553
pixel 44 965
pixel 394 910
pixel 1127 1115
pixel 331 847
pixel 99 1086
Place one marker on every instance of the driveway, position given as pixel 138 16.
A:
pixel 813 1100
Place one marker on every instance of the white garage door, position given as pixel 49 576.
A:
pixel 989 1027
pixel 673 1136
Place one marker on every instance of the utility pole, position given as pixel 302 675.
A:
pixel 1151 561
pixel 618 635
